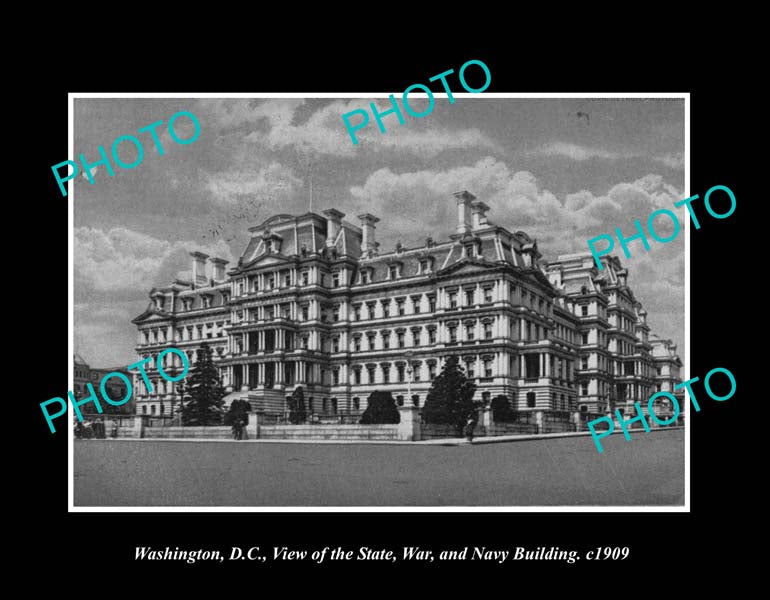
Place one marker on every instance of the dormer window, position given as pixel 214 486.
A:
pixel 336 279
pixel 271 281
pixel 268 246
pixel 393 272
pixel 206 301
pixel 305 277
pixel 470 250
pixel 425 265
pixel 364 276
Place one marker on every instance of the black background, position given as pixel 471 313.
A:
pixel 99 547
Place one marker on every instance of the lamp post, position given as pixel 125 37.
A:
pixel 408 356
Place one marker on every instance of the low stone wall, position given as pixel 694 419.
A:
pixel 434 431
pixel 512 429
pixel 214 432
pixel 328 432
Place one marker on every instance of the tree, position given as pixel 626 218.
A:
pixel 297 413
pixel 202 392
pixel 380 408
pixel 238 416
pixel 450 398
pixel 501 409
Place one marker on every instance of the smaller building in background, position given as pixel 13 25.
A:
pixel 115 388
pixel 667 374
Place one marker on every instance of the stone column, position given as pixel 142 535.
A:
pixel 540 421
pixel 252 429
pixel 409 426
pixel 138 427
pixel 487 419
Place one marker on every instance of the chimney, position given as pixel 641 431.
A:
pixel 218 269
pixel 479 214
pixel 333 224
pixel 367 225
pixel 198 267
pixel 464 200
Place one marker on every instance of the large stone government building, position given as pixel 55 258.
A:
pixel 313 302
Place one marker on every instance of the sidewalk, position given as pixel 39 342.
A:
pixel 499 439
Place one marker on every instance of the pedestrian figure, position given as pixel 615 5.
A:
pixel 469 426
pixel 114 428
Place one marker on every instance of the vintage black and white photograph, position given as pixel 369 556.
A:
pixel 325 302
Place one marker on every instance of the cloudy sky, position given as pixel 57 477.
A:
pixel 542 168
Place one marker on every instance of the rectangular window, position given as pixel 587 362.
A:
pixel 585 338
pixel 386 340
pixel 487 368
pixel 431 303
pixel 305 277
pixel 416 304
pixel 385 309
pixel 470 370
pixel 336 313
pixel 400 306
pixel 364 276
pixel 386 374
pixel 357 344
pixel 469 329
pixel 305 313
pixel 584 310
pixel 431 371
pixel 393 271
pixel 400 337
pixel 453 334
pixel 584 363
pixel 335 280
pixel 336 344
pixel 370 341
pixel 271 282
pixel 488 295
pixel 530 399
pixel 584 389
pixel 453 300
pixel 305 342
pixel 287 279
pixel 357 377
pixel 487 331
pixel 357 312
pixel 335 377
pixel 370 374
pixel 401 371
pixel 469 298
pixel 432 336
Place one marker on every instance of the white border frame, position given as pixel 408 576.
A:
pixel 369 509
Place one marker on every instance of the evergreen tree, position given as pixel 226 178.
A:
pixel 297 412
pixel 202 392
pixel 501 409
pixel 450 398
pixel 380 408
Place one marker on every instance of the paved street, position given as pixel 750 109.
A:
pixel 649 470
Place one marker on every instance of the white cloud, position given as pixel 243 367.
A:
pixel 121 260
pixel 324 131
pixel 580 153
pixel 273 181
pixel 576 152
pixel 672 161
